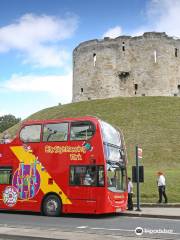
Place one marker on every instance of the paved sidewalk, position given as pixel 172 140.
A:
pixel 155 212
pixel 162 205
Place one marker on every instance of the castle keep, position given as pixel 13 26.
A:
pixel 147 65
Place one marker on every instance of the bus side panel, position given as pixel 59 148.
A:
pixel 10 196
pixel 81 206
pixel 105 202
pixel 23 205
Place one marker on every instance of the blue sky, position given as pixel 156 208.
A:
pixel 37 38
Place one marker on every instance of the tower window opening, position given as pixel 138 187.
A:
pixel 123 46
pixel 94 59
pixel 123 75
pixel 136 86
pixel 155 56
pixel 178 86
pixel 82 90
pixel 176 52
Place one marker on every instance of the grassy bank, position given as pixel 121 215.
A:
pixel 152 122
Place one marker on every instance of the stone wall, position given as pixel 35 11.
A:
pixel 147 65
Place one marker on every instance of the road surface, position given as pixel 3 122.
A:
pixel 67 226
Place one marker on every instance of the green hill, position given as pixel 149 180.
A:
pixel 152 122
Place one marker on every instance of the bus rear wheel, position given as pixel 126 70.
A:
pixel 52 206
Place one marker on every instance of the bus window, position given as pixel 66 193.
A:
pixel 87 175
pixel 5 175
pixel 101 176
pixel 55 132
pixel 116 178
pixel 82 130
pixel 30 133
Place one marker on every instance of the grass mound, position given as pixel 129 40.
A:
pixel 151 122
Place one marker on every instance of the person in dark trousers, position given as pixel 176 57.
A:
pixel 161 182
pixel 130 194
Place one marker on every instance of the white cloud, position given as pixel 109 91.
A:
pixel 162 16
pixel 113 32
pixel 43 56
pixel 36 37
pixel 165 16
pixel 56 85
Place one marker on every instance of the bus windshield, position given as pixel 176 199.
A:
pixel 110 134
pixel 112 144
pixel 115 158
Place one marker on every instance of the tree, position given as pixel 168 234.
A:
pixel 8 121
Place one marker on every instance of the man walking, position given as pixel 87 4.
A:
pixel 161 182
pixel 130 194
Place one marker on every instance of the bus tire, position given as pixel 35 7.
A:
pixel 52 206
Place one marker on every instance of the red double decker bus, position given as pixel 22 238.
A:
pixel 73 165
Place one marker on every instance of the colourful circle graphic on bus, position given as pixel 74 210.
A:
pixel 10 196
pixel 26 180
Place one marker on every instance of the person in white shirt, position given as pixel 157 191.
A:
pixel 130 194
pixel 87 179
pixel 161 183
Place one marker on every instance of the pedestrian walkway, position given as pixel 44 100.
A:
pixel 163 205
pixel 156 212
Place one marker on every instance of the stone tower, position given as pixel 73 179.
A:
pixel 147 65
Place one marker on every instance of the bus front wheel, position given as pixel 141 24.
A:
pixel 52 206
